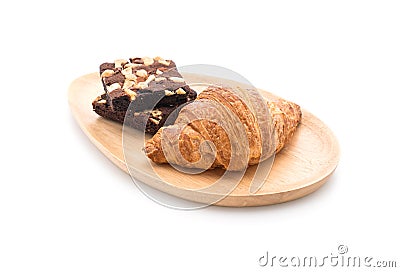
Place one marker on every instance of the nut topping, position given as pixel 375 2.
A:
pixel 128 84
pixel 158 79
pixel 156 113
pixel 154 121
pixel 130 77
pixel 119 63
pixel 141 73
pixel 107 73
pixel 150 79
pixel 113 87
pixel 147 61
pixel 127 71
pixel 168 93
pixel 159 72
pixel 177 79
pixel 131 93
pixel 141 85
pixel 132 65
pixel 180 91
pixel 164 62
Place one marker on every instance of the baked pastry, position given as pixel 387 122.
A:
pixel 149 89
pixel 225 128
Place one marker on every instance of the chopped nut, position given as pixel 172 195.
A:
pixel 177 79
pixel 164 62
pixel 180 91
pixel 141 73
pixel 107 73
pixel 103 101
pixel 158 79
pixel 159 72
pixel 131 93
pixel 147 61
pixel 168 93
pixel 120 62
pixel 128 83
pixel 150 79
pixel 132 65
pixel 158 58
pixel 130 77
pixel 127 71
pixel 156 113
pixel 113 87
pixel 154 121
pixel 141 85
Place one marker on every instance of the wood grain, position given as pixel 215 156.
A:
pixel 302 167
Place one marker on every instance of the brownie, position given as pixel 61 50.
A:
pixel 149 120
pixel 143 82
pixel 142 85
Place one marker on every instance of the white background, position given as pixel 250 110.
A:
pixel 65 207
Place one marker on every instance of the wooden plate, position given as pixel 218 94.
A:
pixel 302 167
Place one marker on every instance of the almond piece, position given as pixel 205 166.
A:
pixel 126 71
pixel 147 61
pixel 164 62
pixel 177 79
pixel 141 73
pixel 107 73
pixel 131 93
pixel 180 91
pixel 113 87
pixel 141 85
pixel 131 77
pixel 150 79
pixel 128 83
pixel 168 93
pixel 158 79
pixel 154 121
pixel 120 62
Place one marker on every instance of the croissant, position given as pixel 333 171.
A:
pixel 225 128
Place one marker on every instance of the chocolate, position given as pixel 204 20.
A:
pixel 141 85
pixel 144 82
pixel 149 120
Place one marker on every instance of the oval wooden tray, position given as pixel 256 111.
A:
pixel 302 167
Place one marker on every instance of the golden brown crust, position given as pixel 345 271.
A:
pixel 153 148
pixel 234 104
pixel 285 117
pixel 228 132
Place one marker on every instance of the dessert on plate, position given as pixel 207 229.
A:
pixel 149 89
pixel 222 127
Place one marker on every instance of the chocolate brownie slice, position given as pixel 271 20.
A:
pixel 144 82
pixel 140 86
pixel 149 120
